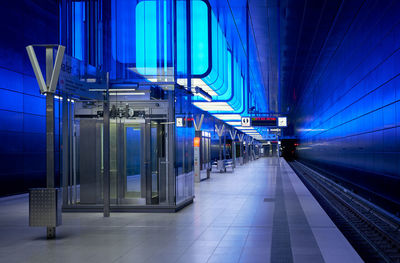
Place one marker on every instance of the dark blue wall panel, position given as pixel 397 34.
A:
pixel 349 115
pixel 22 108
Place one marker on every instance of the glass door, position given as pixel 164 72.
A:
pixel 158 148
pixel 142 164
pixel 133 160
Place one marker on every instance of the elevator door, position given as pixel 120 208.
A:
pixel 141 162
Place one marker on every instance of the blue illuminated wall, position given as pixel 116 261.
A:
pixel 22 108
pixel 349 116
pixel 141 39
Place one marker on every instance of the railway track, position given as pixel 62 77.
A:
pixel 374 234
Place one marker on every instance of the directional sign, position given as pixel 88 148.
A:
pixel 180 122
pixel 282 121
pixel 78 79
pixel 246 122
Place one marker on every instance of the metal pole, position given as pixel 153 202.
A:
pixel 65 149
pixel 51 231
pixel 241 149
pixel 71 153
pixel 50 140
pixel 234 153
pixel 106 154
pixel 277 146
pixel 171 149
pixel 224 147
pixel 246 150
pixel 220 148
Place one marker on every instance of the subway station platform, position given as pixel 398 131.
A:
pixel 260 213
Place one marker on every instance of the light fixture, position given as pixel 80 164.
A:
pixel 200 92
pixel 197 83
pixel 127 93
pixel 89 80
pixel 200 83
pixel 213 106
pixel 225 117
pixel 114 90
pixel 234 123
pixel 207 98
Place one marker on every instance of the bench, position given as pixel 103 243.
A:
pixel 229 164
pixel 221 165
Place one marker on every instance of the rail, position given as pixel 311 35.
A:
pixel 374 234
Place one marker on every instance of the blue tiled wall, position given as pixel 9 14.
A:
pixel 350 111
pixel 22 108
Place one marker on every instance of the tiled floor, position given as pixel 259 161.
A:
pixel 260 213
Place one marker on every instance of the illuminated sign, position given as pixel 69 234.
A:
pixel 196 142
pixel 282 121
pixel 263 121
pixel 184 122
pixel 245 122
pixel 196 159
pixel 180 122
pixel 274 130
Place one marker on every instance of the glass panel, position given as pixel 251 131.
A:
pixel 133 161
pixel 146 38
pixel 113 161
pixel 155 159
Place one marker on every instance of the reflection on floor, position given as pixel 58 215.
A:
pixel 260 213
pixel 133 183
pixel 133 189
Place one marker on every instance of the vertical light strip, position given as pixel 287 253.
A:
pixel 165 39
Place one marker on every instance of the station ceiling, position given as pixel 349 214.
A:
pixel 294 38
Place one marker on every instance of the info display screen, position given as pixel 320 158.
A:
pixel 263 121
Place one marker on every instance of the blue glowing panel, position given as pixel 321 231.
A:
pixel 123 30
pixel 228 94
pixel 181 55
pixel 220 86
pixel 78 29
pixel 146 37
pixel 352 124
pixel 35 104
pixel 10 100
pixel 142 38
pixel 34 123
pixel 11 80
pixel 212 77
pixel 22 155
pixel 200 33
pixel 11 121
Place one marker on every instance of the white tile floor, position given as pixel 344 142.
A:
pixel 228 222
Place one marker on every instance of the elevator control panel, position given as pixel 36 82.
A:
pixel 126 112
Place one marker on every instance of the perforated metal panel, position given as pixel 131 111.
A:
pixel 45 207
